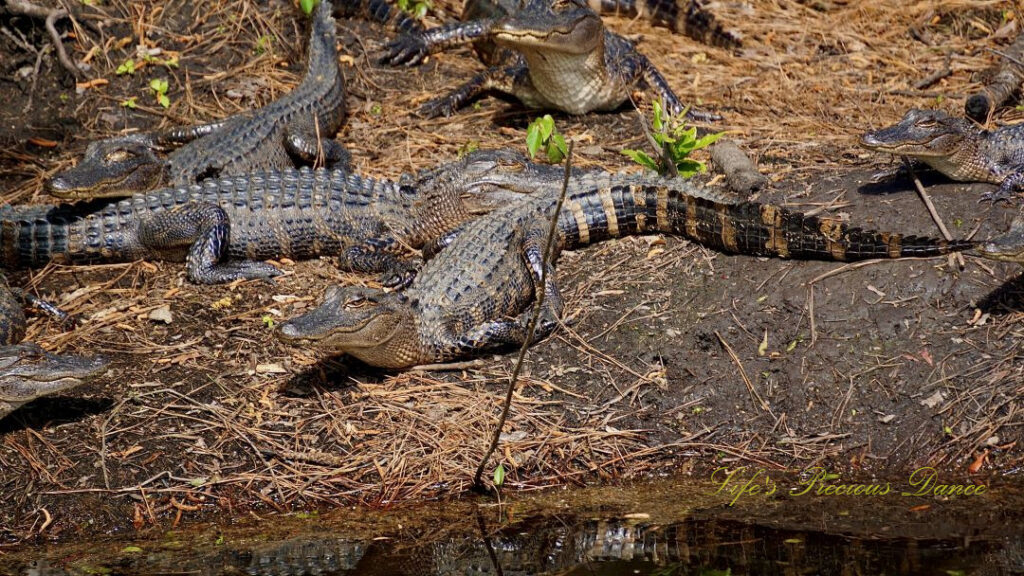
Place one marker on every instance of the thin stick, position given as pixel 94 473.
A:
pixel 931 210
pixel 548 249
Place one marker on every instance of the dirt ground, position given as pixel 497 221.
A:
pixel 675 358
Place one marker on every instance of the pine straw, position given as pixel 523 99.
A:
pixel 209 410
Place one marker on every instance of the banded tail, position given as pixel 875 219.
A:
pixel 696 21
pixel 734 227
pixel 32 235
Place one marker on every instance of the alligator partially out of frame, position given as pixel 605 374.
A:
pixel 553 54
pixel 221 227
pixel 298 126
pixel 477 294
pixel 27 371
pixel 957 148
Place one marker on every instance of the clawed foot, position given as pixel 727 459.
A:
pixel 400 276
pixel 1000 195
pixel 406 50
pixel 437 108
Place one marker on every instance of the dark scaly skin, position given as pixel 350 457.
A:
pixel 274 137
pixel 695 20
pixel 957 148
pixel 550 54
pixel 27 371
pixel 1008 247
pixel 222 226
pixel 477 294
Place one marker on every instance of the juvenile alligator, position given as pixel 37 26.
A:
pixel 27 371
pixel 552 54
pixel 957 148
pixel 299 126
pixel 296 213
pixel 477 294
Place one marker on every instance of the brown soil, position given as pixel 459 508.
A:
pixel 872 369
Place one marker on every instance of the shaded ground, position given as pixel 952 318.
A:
pixel 872 370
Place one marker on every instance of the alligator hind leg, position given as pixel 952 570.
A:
pixel 203 230
pixel 502 79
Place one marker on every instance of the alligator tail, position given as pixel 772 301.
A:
pixel 696 21
pixel 31 236
pixel 735 227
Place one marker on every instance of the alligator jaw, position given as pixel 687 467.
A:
pixel 1009 247
pixel 28 372
pixel 578 31
pixel 111 168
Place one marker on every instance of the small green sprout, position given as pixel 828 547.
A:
pixel 415 8
pixel 268 320
pixel 542 134
pixel 307 5
pixel 263 44
pixel 128 67
pixel 376 110
pixel 129 102
pixel 159 86
pixel 677 142
pixel 468 148
pixel 499 476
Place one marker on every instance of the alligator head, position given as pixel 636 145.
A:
pixel 1008 247
pixel 945 143
pixel 565 26
pixel 374 326
pixel 28 372
pixel 110 168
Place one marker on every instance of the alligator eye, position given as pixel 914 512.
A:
pixel 119 155
pixel 356 302
pixel 926 123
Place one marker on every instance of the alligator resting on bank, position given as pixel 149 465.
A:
pixel 297 127
pixel 27 371
pixel 221 227
pixel 957 148
pixel 478 293
pixel 551 54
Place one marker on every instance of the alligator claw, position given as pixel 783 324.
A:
pixel 997 196
pixel 399 277
pixel 406 50
pixel 436 108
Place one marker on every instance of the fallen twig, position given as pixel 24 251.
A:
pixel 50 17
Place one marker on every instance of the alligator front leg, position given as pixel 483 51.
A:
pixel 502 79
pixel 1008 189
pixel 411 49
pixel 374 257
pixel 203 229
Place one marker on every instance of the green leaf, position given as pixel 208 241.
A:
pixel 159 85
pixel 657 122
pixel 164 100
pixel 557 150
pixel 533 139
pixel 499 475
pixel 547 126
pixel 688 168
pixel 131 550
pixel 129 102
pixel 707 140
pixel 127 68
pixel 307 5
pixel 641 158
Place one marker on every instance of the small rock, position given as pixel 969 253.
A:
pixel 162 314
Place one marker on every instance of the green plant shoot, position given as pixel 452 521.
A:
pixel 307 5
pixel 159 86
pixel 542 134
pixel 676 142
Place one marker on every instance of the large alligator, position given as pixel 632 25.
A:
pixel 298 126
pixel 222 226
pixel 27 371
pixel 552 54
pixel 957 148
pixel 477 294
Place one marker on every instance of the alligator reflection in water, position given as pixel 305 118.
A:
pixel 609 547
